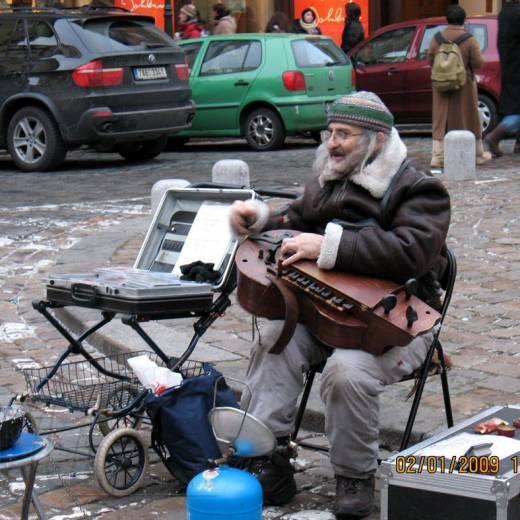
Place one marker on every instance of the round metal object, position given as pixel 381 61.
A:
pixel 30 140
pixel 485 114
pixel 246 435
pixel 261 129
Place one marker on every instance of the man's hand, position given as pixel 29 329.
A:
pixel 241 215
pixel 303 246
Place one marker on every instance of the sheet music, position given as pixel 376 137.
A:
pixel 458 445
pixel 209 237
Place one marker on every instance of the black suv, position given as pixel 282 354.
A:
pixel 88 76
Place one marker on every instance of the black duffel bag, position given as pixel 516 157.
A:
pixel 181 433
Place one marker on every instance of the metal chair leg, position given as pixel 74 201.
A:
pixel 417 398
pixel 311 374
pixel 445 387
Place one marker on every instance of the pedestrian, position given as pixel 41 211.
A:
pixel 278 23
pixel 189 24
pixel 458 109
pixel 225 22
pixel 361 162
pixel 308 22
pixel 353 31
pixel 508 44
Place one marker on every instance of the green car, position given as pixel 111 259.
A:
pixel 263 86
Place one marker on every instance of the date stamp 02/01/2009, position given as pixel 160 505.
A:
pixel 491 465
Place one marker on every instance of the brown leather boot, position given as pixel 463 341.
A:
pixel 493 140
pixel 354 497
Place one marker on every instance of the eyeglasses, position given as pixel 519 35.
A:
pixel 338 135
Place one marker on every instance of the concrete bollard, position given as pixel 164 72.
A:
pixel 230 171
pixel 161 186
pixel 459 155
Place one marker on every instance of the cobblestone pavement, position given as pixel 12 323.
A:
pixel 481 333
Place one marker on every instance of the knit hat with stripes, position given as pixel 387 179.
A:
pixel 363 109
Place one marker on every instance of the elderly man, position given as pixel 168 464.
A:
pixel 367 211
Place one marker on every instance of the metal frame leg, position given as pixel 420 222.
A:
pixel 29 477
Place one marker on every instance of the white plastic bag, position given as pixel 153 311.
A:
pixel 156 378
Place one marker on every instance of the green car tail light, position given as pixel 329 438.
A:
pixel 293 80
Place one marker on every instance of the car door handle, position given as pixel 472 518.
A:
pixel 392 70
pixel 241 83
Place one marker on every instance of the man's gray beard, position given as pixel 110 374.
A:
pixel 350 164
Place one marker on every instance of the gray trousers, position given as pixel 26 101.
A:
pixel 350 386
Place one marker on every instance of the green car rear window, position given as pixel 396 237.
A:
pixel 317 53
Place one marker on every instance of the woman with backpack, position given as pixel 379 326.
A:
pixel 455 106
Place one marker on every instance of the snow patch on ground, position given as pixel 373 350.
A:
pixel 9 332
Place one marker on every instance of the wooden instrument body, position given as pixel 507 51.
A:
pixel 342 310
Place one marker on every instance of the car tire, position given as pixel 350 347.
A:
pixel 488 112
pixel 142 150
pixel 264 130
pixel 34 140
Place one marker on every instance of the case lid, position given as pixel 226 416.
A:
pixel 191 224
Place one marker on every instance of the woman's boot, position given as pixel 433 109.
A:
pixel 516 149
pixel 482 156
pixel 493 140
pixel 437 154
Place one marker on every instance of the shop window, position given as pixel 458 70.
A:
pixel 390 47
pixel 226 57
pixel 42 40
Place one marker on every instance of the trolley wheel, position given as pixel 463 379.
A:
pixel 116 400
pixel 29 423
pixel 121 461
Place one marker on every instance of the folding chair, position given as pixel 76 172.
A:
pixel 447 284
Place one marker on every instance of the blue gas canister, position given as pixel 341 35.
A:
pixel 224 493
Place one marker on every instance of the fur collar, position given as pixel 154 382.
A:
pixel 375 177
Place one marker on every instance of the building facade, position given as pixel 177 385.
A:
pixel 252 15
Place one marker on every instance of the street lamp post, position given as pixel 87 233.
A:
pixel 168 29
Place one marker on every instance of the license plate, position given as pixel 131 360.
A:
pixel 149 73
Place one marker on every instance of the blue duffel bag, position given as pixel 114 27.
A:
pixel 181 431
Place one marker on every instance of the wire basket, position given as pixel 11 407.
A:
pixel 79 385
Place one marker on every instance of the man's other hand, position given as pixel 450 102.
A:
pixel 242 214
pixel 305 246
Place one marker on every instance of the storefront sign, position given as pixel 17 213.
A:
pixel 153 8
pixel 331 15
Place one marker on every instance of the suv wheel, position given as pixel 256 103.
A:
pixel 487 110
pixel 264 130
pixel 34 140
pixel 142 150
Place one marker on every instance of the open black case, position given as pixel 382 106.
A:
pixel 149 287
pixel 189 223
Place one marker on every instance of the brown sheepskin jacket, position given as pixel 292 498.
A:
pixel 398 236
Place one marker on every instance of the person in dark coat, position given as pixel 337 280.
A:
pixel 353 31
pixel 308 22
pixel 361 162
pixel 278 23
pixel 508 44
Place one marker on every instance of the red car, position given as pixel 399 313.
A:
pixel 392 63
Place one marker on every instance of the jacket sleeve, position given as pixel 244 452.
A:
pixel 414 239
